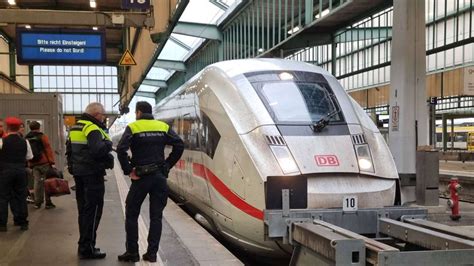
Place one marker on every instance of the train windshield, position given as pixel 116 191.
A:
pixel 297 99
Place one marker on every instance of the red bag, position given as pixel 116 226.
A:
pixel 56 187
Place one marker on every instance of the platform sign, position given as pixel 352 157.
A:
pixel 469 80
pixel 349 203
pixel 60 47
pixel 395 117
pixel 136 4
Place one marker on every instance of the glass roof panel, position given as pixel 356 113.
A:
pixel 201 11
pixel 158 73
pixel 146 88
pixel 173 51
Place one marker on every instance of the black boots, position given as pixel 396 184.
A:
pixel 129 256
pixel 149 257
pixel 93 253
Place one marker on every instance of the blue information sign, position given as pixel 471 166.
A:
pixel 64 47
pixel 135 4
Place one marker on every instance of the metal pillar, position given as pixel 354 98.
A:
pixel 445 132
pixel 433 125
pixel 409 109
pixel 452 134
pixel 12 57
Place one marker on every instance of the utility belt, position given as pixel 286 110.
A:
pixel 147 169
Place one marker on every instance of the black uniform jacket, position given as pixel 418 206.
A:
pixel 148 147
pixel 93 158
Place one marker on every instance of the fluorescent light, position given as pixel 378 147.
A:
pixel 28 26
pixel 295 29
pixel 93 4
pixel 323 14
pixel 95 28
pixel 12 2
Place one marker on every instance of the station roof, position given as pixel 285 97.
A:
pixel 66 14
pixel 180 47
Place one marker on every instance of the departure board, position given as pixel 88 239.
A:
pixel 60 48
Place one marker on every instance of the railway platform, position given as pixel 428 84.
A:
pixel 53 234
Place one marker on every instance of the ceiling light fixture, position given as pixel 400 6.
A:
pixel 295 29
pixel 12 2
pixel 28 26
pixel 93 4
pixel 95 28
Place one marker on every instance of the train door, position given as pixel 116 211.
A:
pixel 185 178
pixel 200 176
pixel 176 172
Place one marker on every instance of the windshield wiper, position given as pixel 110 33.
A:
pixel 324 121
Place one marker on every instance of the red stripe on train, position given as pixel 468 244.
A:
pixel 198 170
pixel 201 171
pixel 181 165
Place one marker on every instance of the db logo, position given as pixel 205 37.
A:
pixel 326 160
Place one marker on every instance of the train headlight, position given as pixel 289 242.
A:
pixel 364 158
pixel 365 164
pixel 285 160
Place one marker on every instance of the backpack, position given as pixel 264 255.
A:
pixel 37 146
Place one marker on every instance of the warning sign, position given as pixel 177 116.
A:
pixel 127 59
pixel 395 117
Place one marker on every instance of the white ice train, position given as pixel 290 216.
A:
pixel 252 127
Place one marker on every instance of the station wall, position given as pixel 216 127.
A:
pixel 441 84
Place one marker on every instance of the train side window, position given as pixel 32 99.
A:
pixel 439 137
pixel 461 137
pixel 209 136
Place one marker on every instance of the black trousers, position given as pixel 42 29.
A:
pixel 13 191
pixel 90 192
pixel 155 186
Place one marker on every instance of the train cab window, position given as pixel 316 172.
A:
pixel 299 98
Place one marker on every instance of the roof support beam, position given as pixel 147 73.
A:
pixel 180 43
pixel 170 64
pixel 220 4
pixel 76 18
pixel 304 40
pixel 362 34
pixel 145 94
pixel 155 83
pixel 207 31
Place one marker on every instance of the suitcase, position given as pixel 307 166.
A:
pixel 56 187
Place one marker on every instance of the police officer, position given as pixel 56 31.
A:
pixel 14 152
pixel 148 170
pixel 88 155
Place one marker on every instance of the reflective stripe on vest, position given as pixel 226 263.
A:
pixel 146 125
pixel 80 137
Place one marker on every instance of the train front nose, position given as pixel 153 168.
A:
pixel 328 191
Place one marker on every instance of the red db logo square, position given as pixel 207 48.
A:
pixel 326 160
